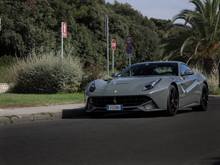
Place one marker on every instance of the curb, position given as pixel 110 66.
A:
pixel 26 115
pixel 214 96
pixel 25 118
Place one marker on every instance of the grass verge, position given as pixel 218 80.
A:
pixel 217 91
pixel 28 100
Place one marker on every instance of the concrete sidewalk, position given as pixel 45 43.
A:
pixel 18 115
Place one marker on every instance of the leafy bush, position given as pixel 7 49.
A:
pixel 47 74
pixel 5 63
pixel 212 79
pixel 213 84
pixel 92 73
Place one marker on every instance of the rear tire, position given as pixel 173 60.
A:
pixel 172 101
pixel 203 100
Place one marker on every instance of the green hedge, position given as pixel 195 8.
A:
pixel 5 63
pixel 47 74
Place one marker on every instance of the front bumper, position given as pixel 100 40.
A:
pixel 129 103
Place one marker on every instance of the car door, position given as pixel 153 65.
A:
pixel 188 86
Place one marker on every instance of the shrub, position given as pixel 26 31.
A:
pixel 5 63
pixel 212 80
pixel 213 83
pixel 92 73
pixel 47 74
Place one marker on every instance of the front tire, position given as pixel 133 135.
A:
pixel 172 101
pixel 203 100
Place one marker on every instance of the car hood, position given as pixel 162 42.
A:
pixel 123 86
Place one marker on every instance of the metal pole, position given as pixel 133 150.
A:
pixel 0 24
pixel 129 59
pixel 107 41
pixel 113 61
pixel 129 62
pixel 62 26
pixel 62 40
pixel 219 75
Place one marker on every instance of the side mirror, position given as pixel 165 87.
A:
pixel 187 73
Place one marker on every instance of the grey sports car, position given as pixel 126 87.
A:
pixel 149 86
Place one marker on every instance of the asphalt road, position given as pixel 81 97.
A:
pixel 189 138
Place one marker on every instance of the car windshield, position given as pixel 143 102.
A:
pixel 151 69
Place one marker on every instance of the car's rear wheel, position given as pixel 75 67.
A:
pixel 203 100
pixel 172 101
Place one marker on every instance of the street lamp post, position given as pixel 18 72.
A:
pixel 0 24
pixel 107 40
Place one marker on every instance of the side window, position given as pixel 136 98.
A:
pixel 185 69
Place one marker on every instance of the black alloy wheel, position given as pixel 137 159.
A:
pixel 173 101
pixel 203 100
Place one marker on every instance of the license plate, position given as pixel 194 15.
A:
pixel 114 108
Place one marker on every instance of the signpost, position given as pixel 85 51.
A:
pixel 63 35
pixel 129 48
pixel 219 75
pixel 114 46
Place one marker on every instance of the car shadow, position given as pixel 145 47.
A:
pixel 215 160
pixel 211 161
pixel 80 113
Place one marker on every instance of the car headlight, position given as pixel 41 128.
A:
pixel 151 85
pixel 92 87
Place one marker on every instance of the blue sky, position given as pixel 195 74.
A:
pixel 164 9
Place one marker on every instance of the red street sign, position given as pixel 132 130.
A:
pixel 114 44
pixel 64 29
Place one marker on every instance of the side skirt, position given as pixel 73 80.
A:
pixel 190 105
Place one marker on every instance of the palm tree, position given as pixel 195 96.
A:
pixel 203 29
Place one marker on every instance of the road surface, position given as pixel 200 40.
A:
pixel 189 138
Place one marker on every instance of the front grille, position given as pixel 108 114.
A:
pixel 122 100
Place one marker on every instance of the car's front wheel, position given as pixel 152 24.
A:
pixel 203 100
pixel 172 101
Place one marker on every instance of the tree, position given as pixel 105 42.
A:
pixel 203 30
pixel 34 26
